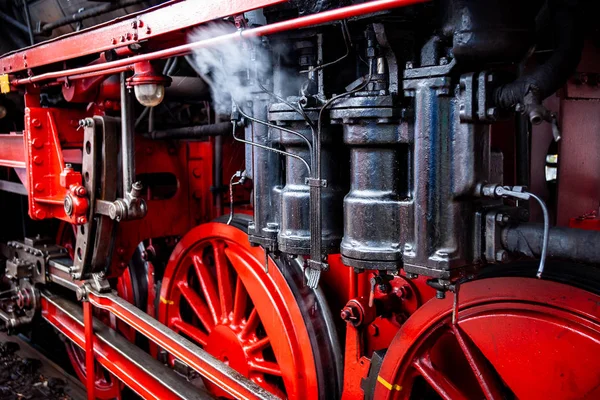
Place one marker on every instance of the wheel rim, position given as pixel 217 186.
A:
pixel 515 338
pixel 106 385
pixel 215 292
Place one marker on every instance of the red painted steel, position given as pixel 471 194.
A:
pixel 88 323
pixel 296 23
pixel 534 338
pixel 49 181
pixel 12 151
pixel 169 18
pixel 181 349
pixel 131 374
pixel 226 328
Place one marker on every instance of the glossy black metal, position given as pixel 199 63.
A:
pixel 449 157
pixel 198 132
pixel 294 235
pixel 564 243
pixel 267 176
pixel 379 170
pixel 491 30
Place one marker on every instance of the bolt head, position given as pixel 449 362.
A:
pixel 68 205
pixel 502 256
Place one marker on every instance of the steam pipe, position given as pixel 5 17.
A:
pixel 218 168
pixel 550 76
pixel 127 139
pixel 296 23
pixel 198 132
pixel 564 243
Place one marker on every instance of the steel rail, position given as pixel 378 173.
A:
pixel 296 23
pixel 195 357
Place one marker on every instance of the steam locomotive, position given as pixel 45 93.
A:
pixel 304 199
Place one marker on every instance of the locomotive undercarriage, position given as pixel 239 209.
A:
pixel 337 220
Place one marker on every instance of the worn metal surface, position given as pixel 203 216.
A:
pixel 267 177
pixel 564 243
pixel 294 235
pixel 449 158
pixel 379 180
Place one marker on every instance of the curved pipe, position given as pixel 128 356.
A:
pixel 530 89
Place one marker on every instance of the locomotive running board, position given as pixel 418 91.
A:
pixel 122 360
pixel 134 367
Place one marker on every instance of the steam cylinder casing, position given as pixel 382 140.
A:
pixel 294 235
pixel 267 177
pixel 449 157
pixel 379 181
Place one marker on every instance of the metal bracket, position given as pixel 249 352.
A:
pixel 314 182
pixel 95 239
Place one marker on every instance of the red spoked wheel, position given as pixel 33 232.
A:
pixel 514 338
pixel 107 386
pixel 216 292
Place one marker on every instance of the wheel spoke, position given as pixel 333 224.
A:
pixel 223 278
pixel 265 367
pixel 259 345
pixel 208 288
pixel 251 323
pixel 487 379
pixel 240 302
pixel 191 331
pixel 198 306
pixel 438 381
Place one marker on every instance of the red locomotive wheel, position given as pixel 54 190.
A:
pixel 515 338
pixel 216 292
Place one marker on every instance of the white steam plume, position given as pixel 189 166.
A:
pixel 228 66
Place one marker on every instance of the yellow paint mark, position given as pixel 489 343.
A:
pixel 388 385
pixel 4 84
pixel 167 302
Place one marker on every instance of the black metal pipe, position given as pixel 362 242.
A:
pixel 199 132
pixel 89 13
pixel 28 20
pixel 550 76
pixel 564 243
pixel 218 170
pixel 10 20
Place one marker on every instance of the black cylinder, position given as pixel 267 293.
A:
pixel 294 235
pixel 564 243
pixel 378 182
pixel 266 174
